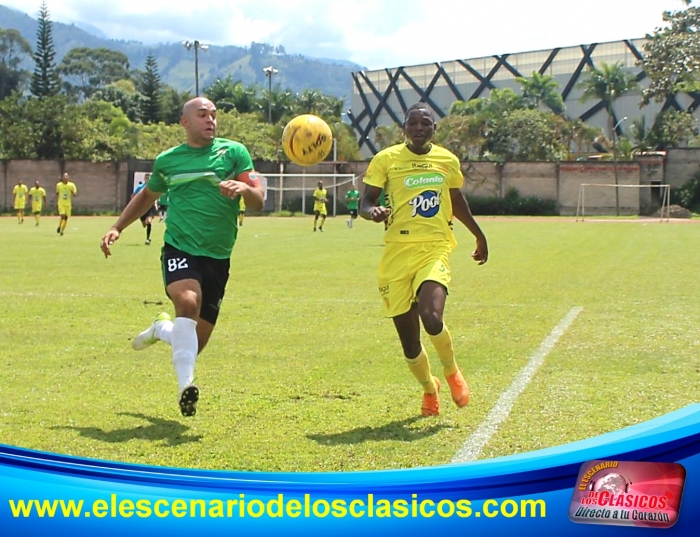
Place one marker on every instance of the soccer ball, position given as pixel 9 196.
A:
pixel 307 140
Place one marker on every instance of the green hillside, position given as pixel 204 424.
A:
pixel 176 64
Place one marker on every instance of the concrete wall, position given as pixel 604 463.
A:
pixel 101 185
pixel 106 186
pixel 681 165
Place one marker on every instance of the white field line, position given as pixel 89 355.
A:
pixel 471 449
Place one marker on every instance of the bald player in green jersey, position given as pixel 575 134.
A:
pixel 205 179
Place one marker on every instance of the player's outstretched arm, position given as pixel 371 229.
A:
pixel 461 211
pixel 369 210
pixel 249 185
pixel 138 206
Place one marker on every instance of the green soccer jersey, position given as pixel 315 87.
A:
pixel 201 221
pixel 351 199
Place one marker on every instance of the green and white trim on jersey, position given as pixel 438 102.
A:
pixel 201 221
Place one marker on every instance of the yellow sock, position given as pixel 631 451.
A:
pixel 63 224
pixel 420 367
pixel 443 345
pixel 36 217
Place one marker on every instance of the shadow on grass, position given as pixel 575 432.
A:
pixel 171 431
pixel 396 430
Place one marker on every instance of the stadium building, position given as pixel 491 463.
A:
pixel 381 97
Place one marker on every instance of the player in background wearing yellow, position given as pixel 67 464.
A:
pixel 241 212
pixel 20 193
pixel 37 194
pixel 65 192
pixel 422 184
pixel 320 198
pixel 351 201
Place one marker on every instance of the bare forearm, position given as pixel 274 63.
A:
pixel 138 206
pixel 254 198
pixel 461 211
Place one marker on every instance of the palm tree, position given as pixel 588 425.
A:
pixel 228 94
pixel 542 89
pixel 608 84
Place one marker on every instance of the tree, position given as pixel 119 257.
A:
pixel 12 47
pixel 541 89
pixel 109 136
pixel 123 95
pixel 281 102
pixel 93 68
pixel 173 101
pixel 16 131
pixel 151 92
pixel 312 101
pixel 672 55
pixel 46 81
pixel 347 147
pixel 387 135
pixel 526 135
pixel 228 95
pixel 608 84
pixel 673 128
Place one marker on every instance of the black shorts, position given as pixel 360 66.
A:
pixel 212 275
pixel 150 212
pixel 162 208
pixel 353 213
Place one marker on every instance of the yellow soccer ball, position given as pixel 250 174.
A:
pixel 307 140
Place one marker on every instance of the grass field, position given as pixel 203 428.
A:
pixel 304 374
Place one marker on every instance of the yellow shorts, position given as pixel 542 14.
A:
pixel 405 266
pixel 19 205
pixel 64 209
pixel 36 207
pixel 320 208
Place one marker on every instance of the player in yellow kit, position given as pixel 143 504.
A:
pixel 20 193
pixel 320 198
pixel 65 191
pixel 37 194
pixel 241 211
pixel 422 184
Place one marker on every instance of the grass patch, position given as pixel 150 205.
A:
pixel 304 374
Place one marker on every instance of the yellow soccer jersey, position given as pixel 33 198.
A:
pixel 417 189
pixel 20 192
pixel 66 191
pixel 37 195
pixel 320 195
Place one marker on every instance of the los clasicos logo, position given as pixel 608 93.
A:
pixel 628 493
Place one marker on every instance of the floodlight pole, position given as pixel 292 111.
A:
pixel 196 45
pixel 269 72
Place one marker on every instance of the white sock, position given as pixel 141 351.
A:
pixel 164 331
pixel 183 339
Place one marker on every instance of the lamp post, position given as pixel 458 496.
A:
pixel 269 73
pixel 196 45
pixel 614 148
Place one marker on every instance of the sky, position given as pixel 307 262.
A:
pixel 374 34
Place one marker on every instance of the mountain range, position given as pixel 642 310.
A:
pixel 176 63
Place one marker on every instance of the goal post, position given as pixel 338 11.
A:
pixel 600 199
pixel 288 191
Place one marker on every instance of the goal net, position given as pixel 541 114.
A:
pixel 293 192
pixel 605 199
